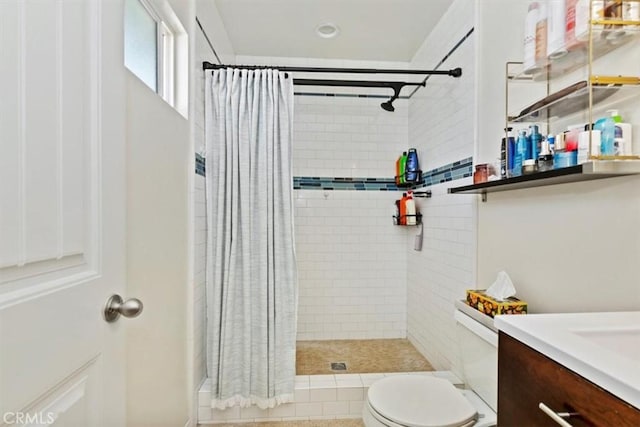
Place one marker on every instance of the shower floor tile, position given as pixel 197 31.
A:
pixel 360 356
pixel 318 423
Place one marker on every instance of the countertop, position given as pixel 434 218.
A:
pixel 602 347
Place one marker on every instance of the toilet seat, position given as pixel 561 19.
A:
pixel 419 401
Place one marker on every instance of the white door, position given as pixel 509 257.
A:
pixel 62 212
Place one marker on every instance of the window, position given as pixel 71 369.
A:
pixel 153 39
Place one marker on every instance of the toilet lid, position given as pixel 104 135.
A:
pixel 420 401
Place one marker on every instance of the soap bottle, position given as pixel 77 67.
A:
pixel 410 209
pixel 412 165
pixel 397 174
pixel 622 136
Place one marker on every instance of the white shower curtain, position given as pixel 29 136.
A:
pixel 251 267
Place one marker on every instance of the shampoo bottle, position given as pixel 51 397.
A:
pixel 403 168
pixel 623 137
pixel 412 165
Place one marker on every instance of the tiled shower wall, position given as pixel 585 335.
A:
pixel 441 126
pixel 351 259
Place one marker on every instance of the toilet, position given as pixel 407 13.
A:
pixel 425 400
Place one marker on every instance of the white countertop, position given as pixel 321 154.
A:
pixel 602 347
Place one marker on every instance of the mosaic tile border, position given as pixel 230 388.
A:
pixel 449 172
pixel 200 165
pixel 336 183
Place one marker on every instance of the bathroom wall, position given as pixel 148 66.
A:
pixel 210 19
pixel 159 151
pixel 571 247
pixel 441 127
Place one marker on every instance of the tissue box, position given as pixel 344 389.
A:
pixel 477 299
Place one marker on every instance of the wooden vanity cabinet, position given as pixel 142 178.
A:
pixel 527 378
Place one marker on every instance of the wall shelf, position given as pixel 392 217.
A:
pixel 600 169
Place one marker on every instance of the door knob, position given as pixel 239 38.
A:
pixel 116 306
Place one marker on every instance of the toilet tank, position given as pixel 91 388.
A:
pixel 478 346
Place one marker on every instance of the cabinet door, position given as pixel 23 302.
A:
pixel 527 378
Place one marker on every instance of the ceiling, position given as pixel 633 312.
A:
pixel 377 30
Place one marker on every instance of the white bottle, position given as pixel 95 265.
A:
pixel 582 19
pixel 556 27
pixel 410 206
pixel 530 39
pixel 623 136
pixel 631 12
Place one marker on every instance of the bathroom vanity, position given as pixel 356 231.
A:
pixel 569 370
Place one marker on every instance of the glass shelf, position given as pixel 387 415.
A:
pixel 600 169
pixel 575 98
pixel 578 56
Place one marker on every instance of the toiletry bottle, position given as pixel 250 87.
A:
pixel 583 20
pixel 530 39
pixel 570 41
pixel 556 21
pixel 507 154
pixel 411 209
pixel 403 209
pixel 397 174
pixel 622 136
pixel 589 137
pixel 551 139
pixel 607 128
pixel 545 159
pixel 613 12
pixel 541 35
pixel 412 165
pixel 631 12
pixel 536 141
pixel 403 168
pixel 521 152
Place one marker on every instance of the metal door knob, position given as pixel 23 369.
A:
pixel 116 306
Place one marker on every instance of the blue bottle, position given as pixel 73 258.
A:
pixel 523 147
pixel 607 128
pixel 536 141
pixel 413 165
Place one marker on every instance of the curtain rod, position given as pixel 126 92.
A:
pixel 455 72
pixel 355 83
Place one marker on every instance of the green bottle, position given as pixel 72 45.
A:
pixel 403 168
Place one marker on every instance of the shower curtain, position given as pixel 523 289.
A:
pixel 251 276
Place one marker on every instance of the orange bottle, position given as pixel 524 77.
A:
pixel 403 209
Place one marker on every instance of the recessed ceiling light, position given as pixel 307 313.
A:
pixel 327 31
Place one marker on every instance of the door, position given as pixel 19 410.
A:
pixel 62 212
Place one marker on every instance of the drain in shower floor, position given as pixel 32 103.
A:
pixel 338 366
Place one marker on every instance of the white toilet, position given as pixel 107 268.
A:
pixel 415 400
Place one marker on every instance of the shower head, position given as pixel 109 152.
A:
pixel 388 106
